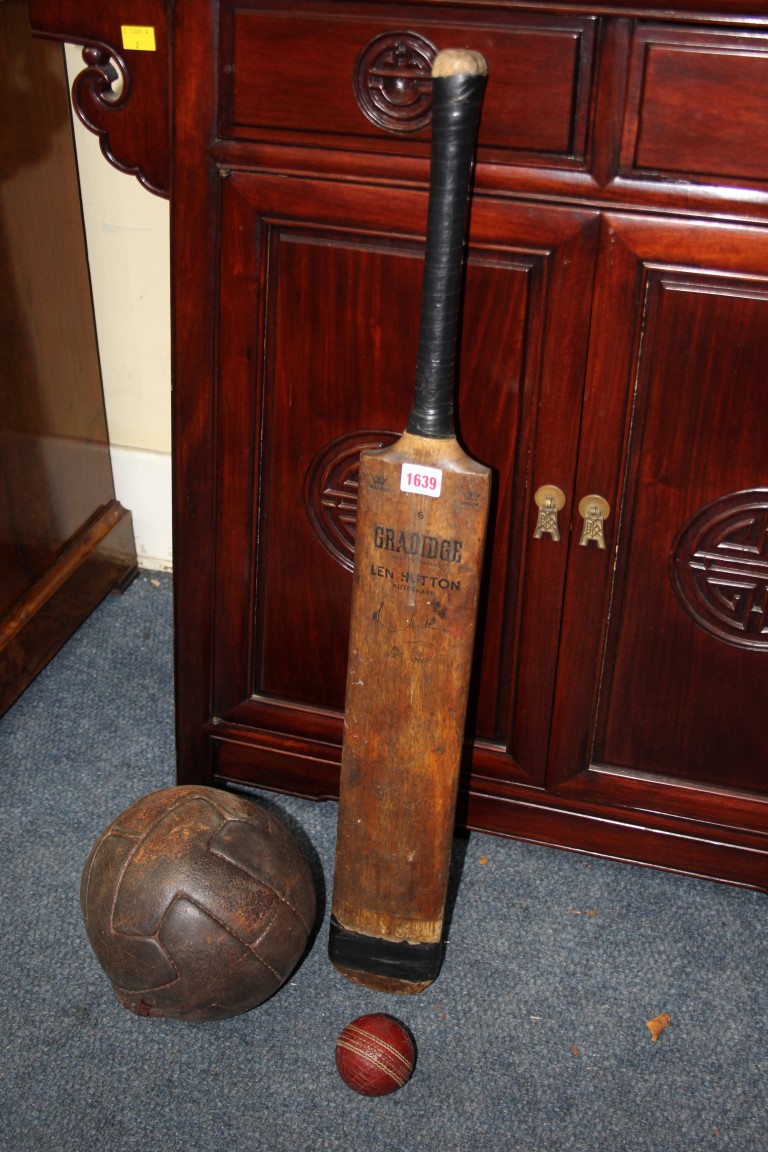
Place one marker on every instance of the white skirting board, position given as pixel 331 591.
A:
pixel 143 486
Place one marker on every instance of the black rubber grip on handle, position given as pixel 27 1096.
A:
pixel 456 104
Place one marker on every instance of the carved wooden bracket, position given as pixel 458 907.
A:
pixel 122 94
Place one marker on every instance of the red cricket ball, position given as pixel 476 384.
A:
pixel 375 1054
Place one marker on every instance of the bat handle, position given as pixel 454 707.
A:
pixel 458 83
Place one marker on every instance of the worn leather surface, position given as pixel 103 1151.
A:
pixel 197 903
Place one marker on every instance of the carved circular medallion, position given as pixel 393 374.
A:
pixel 719 568
pixel 330 491
pixel 393 81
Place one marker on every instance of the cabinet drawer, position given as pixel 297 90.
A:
pixel 357 76
pixel 697 105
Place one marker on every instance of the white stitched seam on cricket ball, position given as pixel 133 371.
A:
pixel 365 1052
pixel 361 1032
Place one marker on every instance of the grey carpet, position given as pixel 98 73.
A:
pixel 533 1038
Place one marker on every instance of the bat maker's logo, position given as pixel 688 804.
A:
pixel 417 544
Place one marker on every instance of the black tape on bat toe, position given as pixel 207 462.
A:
pixel 414 963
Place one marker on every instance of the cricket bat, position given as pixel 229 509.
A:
pixel 421 522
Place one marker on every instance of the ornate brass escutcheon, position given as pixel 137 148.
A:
pixel 549 499
pixel 595 510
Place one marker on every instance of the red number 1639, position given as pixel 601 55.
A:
pixel 421 479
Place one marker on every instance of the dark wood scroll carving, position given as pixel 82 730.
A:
pixel 122 94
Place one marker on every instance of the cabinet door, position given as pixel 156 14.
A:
pixel 664 661
pixel 320 288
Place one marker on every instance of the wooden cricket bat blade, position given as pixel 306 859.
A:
pixel 419 539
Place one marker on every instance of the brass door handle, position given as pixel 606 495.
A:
pixel 549 499
pixel 595 510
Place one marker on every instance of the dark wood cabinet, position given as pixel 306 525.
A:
pixel 667 687
pixel 614 348
pixel 65 542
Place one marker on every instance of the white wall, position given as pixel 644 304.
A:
pixel 127 234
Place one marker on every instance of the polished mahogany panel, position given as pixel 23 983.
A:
pixel 678 658
pixel 297 255
pixel 361 74
pixel 688 671
pixel 697 104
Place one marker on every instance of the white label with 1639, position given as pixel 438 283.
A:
pixel 421 479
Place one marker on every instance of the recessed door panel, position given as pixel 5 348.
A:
pixel 319 324
pixel 665 647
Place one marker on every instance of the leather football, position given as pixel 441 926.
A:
pixel 197 903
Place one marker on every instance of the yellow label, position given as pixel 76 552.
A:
pixel 138 38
